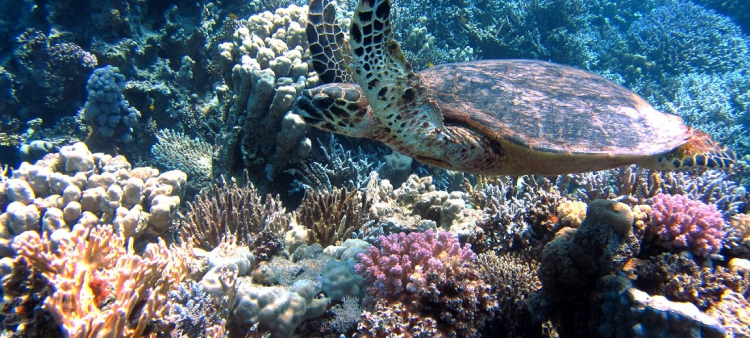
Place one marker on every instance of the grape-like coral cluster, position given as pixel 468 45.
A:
pixel 106 110
pixel 682 223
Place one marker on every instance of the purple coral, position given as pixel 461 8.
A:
pixel 407 262
pixel 684 223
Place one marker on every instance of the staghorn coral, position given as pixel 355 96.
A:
pixel 234 209
pixel 667 37
pixel 516 207
pixel 738 234
pixel 102 288
pixel 684 223
pixel 338 167
pixel 332 216
pixel 513 278
pixel 194 312
pixel 430 275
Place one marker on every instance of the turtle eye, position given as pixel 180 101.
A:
pixel 322 101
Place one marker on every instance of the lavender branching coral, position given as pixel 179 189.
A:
pixel 684 223
pixel 431 276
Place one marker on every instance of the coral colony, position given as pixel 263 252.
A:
pixel 156 182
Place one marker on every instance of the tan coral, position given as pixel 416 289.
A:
pixel 89 266
pixel 571 213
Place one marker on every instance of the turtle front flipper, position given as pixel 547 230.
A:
pixel 699 151
pixel 328 47
pixel 397 95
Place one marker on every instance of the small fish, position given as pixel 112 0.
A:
pixel 233 16
pixel 463 19
pixel 430 64
pixel 151 107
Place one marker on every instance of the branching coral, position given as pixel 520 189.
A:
pixel 431 275
pixel 25 290
pixel 513 278
pixel 232 208
pixel 333 215
pixel 684 223
pixel 514 208
pixel 102 287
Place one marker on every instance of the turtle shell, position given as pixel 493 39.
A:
pixel 551 108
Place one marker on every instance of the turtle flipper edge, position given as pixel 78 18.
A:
pixel 699 151
pixel 379 65
pixel 328 46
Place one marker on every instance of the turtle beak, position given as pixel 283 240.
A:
pixel 312 115
pixel 303 107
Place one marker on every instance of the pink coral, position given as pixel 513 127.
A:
pixel 405 261
pixel 431 279
pixel 684 223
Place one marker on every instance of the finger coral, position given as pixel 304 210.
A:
pixel 684 223
pixel 102 287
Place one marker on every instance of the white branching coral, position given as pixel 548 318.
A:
pixel 176 150
pixel 102 287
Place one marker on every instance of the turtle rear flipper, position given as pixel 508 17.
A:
pixel 699 151
pixel 328 47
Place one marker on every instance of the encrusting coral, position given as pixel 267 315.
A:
pixel 102 287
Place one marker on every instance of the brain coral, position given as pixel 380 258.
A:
pixel 684 223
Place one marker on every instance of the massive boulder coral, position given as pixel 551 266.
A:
pixel 78 187
pixel 265 68
pixel 573 261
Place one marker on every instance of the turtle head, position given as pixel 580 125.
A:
pixel 340 108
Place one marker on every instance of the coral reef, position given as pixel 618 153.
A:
pixel 422 269
pixel 629 312
pixel 78 187
pixel 106 109
pixel 101 286
pixel 233 209
pixel 684 223
pixel 573 261
pixel 24 292
pixel 264 67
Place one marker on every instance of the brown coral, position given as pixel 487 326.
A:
pixel 333 215
pixel 235 209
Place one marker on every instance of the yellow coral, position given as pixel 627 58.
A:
pixel 571 213
pixel 741 223
pixel 89 265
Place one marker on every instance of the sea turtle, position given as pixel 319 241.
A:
pixel 489 116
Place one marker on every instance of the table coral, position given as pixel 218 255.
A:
pixel 682 223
